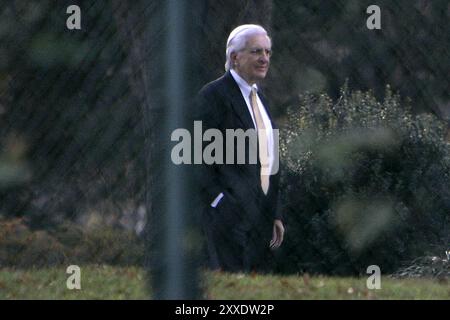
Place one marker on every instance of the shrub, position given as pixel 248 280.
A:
pixel 67 244
pixel 365 182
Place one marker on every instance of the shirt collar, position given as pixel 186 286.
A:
pixel 243 85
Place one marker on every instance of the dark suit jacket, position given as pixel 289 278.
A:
pixel 220 105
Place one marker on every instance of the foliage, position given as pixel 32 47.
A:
pixel 65 95
pixel 22 247
pixel 366 182
pixel 430 267
pixel 323 43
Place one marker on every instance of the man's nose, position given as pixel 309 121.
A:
pixel 264 57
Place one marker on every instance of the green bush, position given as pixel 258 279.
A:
pixel 365 182
pixel 67 244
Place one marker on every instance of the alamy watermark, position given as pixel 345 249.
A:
pixel 374 280
pixel 374 21
pixel 73 22
pixel 240 147
pixel 74 280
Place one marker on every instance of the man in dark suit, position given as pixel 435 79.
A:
pixel 240 210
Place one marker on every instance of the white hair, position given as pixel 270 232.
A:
pixel 238 39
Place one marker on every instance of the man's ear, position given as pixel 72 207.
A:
pixel 233 57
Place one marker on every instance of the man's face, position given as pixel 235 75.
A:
pixel 252 63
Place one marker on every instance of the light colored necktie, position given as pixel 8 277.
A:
pixel 263 145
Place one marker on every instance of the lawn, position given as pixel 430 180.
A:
pixel 106 282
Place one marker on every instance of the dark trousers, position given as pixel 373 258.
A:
pixel 236 241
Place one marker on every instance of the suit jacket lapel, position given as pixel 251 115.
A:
pixel 238 102
pixel 240 106
pixel 266 107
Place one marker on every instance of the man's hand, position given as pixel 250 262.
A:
pixel 278 234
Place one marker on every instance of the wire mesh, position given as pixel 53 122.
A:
pixel 79 118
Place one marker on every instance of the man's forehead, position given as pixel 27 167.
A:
pixel 259 40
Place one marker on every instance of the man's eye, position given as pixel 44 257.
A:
pixel 259 52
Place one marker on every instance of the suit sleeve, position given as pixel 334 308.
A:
pixel 206 177
pixel 279 202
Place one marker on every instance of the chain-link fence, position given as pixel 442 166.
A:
pixel 81 113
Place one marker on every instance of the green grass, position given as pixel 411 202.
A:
pixel 106 282
pixel 320 287
pixel 97 282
